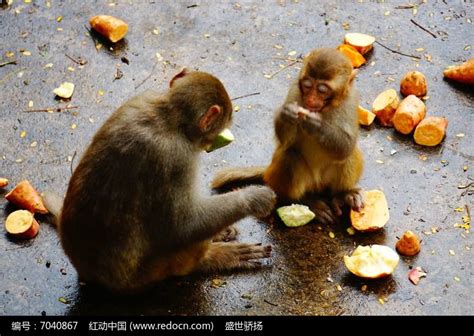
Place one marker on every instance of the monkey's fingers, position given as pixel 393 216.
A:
pixel 250 264
pixel 290 113
pixel 325 217
pixel 355 199
pixel 336 205
pixel 323 212
pixel 253 251
pixel 312 123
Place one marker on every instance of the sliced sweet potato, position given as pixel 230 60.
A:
pixel 26 197
pixel 361 42
pixel 463 73
pixel 3 182
pixel 22 224
pixel 431 131
pixel 384 107
pixel 374 215
pixel 354 56
pixel 409 114
pixel 366 117
pixel 413 83
pixel 110 27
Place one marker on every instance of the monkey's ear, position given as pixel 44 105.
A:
pixel 180 74
pixel 208 118
pixel 353 75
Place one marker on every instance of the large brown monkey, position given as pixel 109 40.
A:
pixel 131 214
pixel 317 133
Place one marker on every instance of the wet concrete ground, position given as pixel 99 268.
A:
pixel 241 43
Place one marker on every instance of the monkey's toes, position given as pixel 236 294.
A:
pixel 250 264
pixel 254 251
pixel 325 217
pixel 355 200
pixel 228 234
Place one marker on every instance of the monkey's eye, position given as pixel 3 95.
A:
pixel 323 89
pixel 307 83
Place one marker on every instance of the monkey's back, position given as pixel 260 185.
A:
pixel 118 195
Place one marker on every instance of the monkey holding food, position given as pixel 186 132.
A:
pixel 317 131
pixel 132 215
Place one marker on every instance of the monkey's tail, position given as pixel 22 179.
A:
pixel 229 176
pixel 53 202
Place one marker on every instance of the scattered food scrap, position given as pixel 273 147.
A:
pixel 65 90
pixel 3 182
pixel 416 274
pixel 109 27
pixel 216 283
pixel 408 245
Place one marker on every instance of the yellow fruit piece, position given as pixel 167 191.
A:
pixel 372 262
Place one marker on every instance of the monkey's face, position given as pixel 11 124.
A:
pixel 315 93
pixel 324 79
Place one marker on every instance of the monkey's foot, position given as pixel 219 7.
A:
pixel 247 253
pixel 226 235
pixel 352 198
pixel 324 213
pixel 231 256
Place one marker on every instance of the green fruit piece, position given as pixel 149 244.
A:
pixel 223 139
pixel 295 215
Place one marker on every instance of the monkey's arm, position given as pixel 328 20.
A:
pixel 338 138
pixel 286 124
pixel 335 130
pixel 212 214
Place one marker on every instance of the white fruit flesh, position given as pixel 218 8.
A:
pixel 372 262
pixel 295 215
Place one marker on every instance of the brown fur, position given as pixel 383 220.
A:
pixel 131 215
pixel 320 158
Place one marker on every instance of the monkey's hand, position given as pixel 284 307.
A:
pixel 324 213
pixel 260 200
pixel 289 113
pixel 354 198
pixel 312 121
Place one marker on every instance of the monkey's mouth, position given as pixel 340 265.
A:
pixel 313 109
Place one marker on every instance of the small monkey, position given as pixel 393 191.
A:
pixel 132 216
pixel 317 131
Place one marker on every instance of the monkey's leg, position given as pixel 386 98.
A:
pixel 230 256
pixel 288 174
pixel 345 190
pixel 226 235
